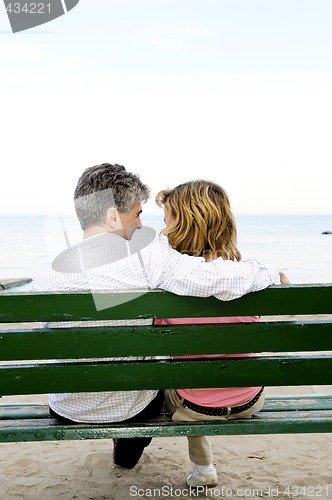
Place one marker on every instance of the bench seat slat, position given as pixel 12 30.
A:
pixel 23 411
pixel 272 403
pixel 299 403
pixel 263 423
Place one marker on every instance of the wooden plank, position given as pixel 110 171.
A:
pixel 285 404
pixel 275 300
pixel 263 423
pixel 5 284
pixel 23 411
pixel 304 402
pixel 228 372
pixel 95 342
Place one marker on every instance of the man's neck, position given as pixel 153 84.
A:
pixel 93 231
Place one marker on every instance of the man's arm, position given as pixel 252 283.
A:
pixel 185 275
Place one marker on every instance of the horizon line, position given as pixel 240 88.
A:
pixel 155 214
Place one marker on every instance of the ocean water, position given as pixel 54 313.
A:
pixel 294 243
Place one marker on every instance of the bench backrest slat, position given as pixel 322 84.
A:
pixel 165 341
pixel 68 306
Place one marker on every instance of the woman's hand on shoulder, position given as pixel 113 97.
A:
pixel 283 278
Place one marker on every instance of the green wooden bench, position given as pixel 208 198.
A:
pixel 290 353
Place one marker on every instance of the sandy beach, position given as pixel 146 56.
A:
pixel 282 466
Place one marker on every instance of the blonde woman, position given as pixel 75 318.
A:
pixel 199 222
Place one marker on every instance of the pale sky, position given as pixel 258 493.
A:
pixel 234 91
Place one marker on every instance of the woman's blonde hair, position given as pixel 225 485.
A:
pixel 202 222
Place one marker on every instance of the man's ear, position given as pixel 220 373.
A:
pixel 113 221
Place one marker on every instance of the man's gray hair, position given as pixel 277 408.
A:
pixel 105 186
